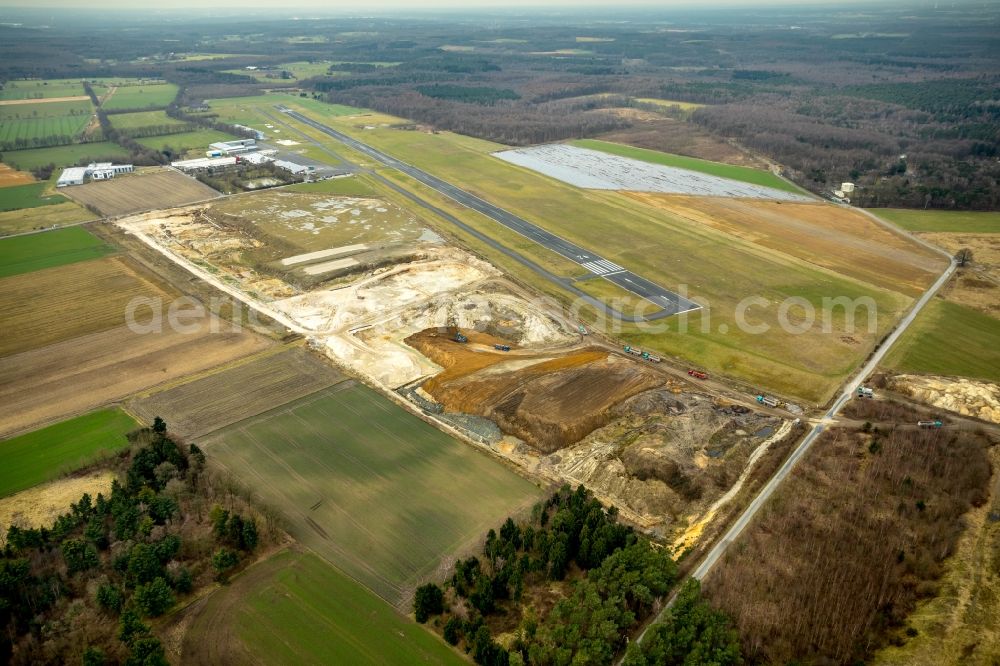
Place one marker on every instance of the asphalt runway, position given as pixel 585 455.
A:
pixel 670 302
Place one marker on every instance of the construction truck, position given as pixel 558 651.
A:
pixel 698 374
pixel 865 392
pixel 458 337
pixel 769 401
pixel 583 329
pixel 632 350
pixel 653 359
pixel 930 424
pixel 503 348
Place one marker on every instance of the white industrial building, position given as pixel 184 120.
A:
pixel 95 171
pixel 204 164
pixel 256 158
pixel 234 147
pixel 293 168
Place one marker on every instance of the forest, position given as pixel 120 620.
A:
pixel 571 584
pixel 82 588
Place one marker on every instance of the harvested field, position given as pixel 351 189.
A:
pixel 9 176
pixel 836 238
pixel 368 486
pixel 848 545
pixel 64 302
pixel 244 389
pixel 87 371
pixel 40 505
pixel 35 252
pixel 593 169
pixel 44 454
pixel 294 608
pixel 548 401
pixel 131 194
pixel 36 219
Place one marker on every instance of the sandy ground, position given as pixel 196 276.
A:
pixel 10 176
pixel 967 397
pixel 41 505
pixel 593 169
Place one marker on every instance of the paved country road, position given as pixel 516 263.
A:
pixel 671 302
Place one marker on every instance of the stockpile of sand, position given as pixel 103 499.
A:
pixel 968 397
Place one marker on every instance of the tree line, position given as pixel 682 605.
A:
pixel 609 578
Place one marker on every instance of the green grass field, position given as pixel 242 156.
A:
pixel 45 454
pixel 33 158
pixel 353 186
pixel 298 70
pixel 194 141
pixel 950 339
pixel 27 196
pixel 244 110
pixel 45 110
pixel 142 96
pixel 68 127
pixel 952 221
pixel 294 608
pixel 24 254
pixel 743 174
pixel 368 486
pixel 38 89
pixel 140 119
pixel 57 215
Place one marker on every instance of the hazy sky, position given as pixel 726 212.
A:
pixel 326 6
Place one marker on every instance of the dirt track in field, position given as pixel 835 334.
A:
pixel 43 100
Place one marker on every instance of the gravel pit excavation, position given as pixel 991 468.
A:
pixel 595 170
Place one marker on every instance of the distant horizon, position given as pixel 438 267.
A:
pixel 318 7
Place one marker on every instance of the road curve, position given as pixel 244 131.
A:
pixel 670 302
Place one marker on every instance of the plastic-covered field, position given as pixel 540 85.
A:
pixel 595 170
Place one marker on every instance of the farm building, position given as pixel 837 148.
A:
pixel 97 171
pixel 72 176
pixel 234 147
